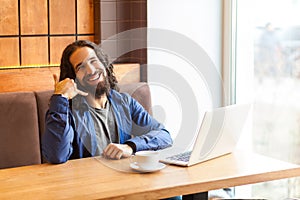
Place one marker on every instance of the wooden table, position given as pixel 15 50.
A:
pixel 95 178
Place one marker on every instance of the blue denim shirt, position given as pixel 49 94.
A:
pixel 70 134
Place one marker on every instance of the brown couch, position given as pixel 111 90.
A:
pixel 22 122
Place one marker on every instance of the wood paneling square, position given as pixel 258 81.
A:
pixel 57 45
pixel 85 16
pixel 62 16
pixel 33 17
pixel 9 17
pixel 9 51
pixel 34 50
pixel 90 38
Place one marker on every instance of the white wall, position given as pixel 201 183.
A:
pixel 195 22
pixel 199 20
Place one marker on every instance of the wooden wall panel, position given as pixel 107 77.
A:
pixel 38 43
pixel 31 79
pixel 91 38
pixel 9 17
pixel 62 16
pixel 37 79
pixel 127 73
pixel 34 17
pixel 85 16
pixel 57 45
pixel 9 51
pixel 42 28
pixel 34 50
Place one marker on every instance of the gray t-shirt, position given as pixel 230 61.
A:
pixel 105 127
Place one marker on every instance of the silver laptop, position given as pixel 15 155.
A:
pixel 218 135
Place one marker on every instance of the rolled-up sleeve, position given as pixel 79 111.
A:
pixel 148 133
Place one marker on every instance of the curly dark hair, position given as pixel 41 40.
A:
pixel 67 70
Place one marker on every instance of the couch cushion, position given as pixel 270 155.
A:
pixel 19 144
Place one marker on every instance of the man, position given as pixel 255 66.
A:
pixel 88 117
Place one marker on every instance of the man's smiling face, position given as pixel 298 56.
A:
pixel 89 70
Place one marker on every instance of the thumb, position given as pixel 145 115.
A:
pixel 55 79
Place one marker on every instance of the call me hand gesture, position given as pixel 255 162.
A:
pixel 67 88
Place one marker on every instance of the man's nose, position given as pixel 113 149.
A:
pixel 89 68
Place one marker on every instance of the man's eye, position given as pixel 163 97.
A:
pixel 79 67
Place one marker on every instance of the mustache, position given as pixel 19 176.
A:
pixel 97 72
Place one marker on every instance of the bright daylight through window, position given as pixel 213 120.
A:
pixel 268 43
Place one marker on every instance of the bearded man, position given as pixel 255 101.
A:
pixel 87 116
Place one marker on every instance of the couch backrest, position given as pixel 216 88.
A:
pixel 141 92
pixel 42 98
pixel 19 143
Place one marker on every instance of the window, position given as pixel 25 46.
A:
pixel 267 74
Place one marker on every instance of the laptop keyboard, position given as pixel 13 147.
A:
pixel 181 156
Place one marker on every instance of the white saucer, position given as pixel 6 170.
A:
pixel 137 168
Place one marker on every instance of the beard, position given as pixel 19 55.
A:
pixel 103 87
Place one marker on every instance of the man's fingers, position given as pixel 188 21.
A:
pixel 112 151
pixel 108 150
pixel 119 155
pixel 81 92
pixel 115 154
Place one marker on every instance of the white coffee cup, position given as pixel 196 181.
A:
pixel 146 160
